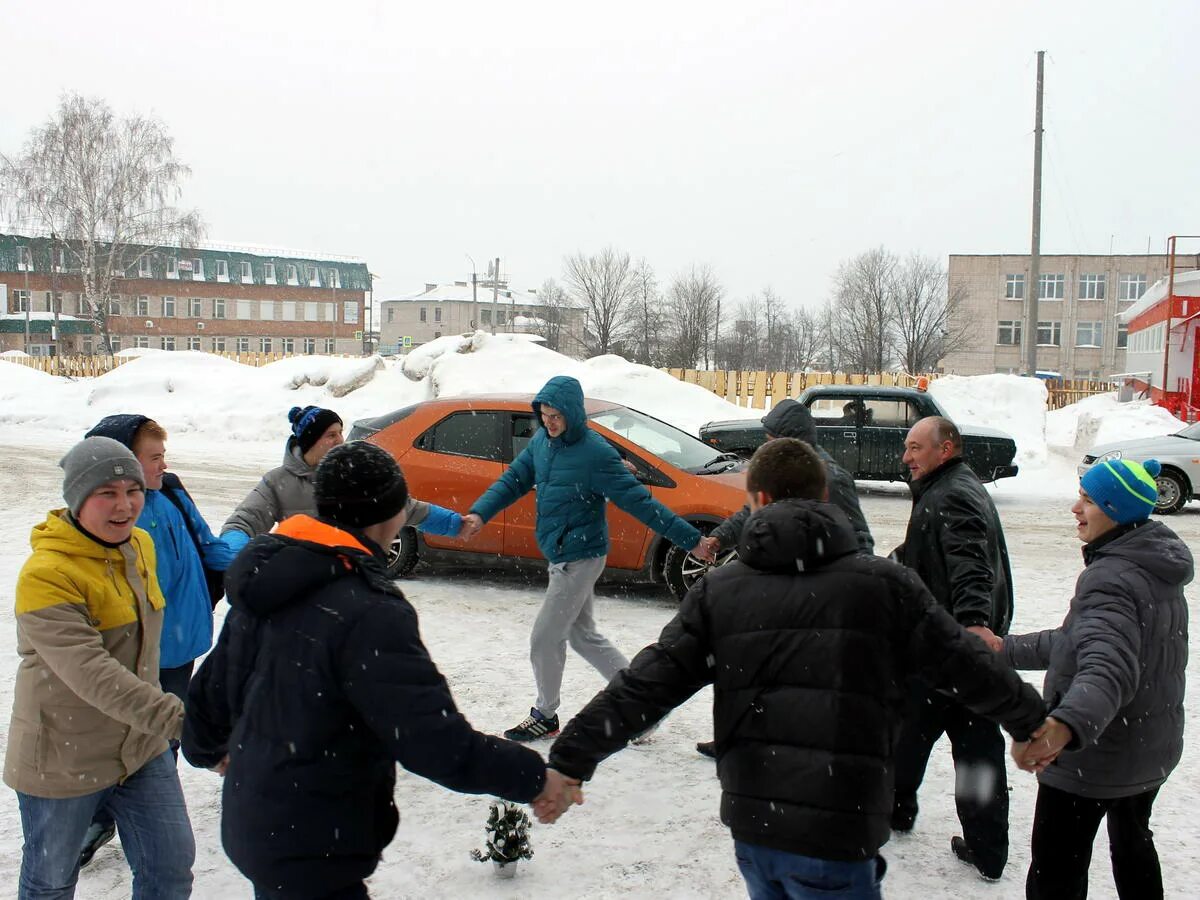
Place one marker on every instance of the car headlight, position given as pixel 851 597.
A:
pixel 1109 456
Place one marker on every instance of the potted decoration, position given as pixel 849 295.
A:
pixel 507 832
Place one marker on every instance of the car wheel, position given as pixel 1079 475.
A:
pixel 402 554
pixel 1172 494
pixel 681 570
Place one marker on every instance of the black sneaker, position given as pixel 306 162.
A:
pixel 97 836
pixel 965 855
pixel 902 823
pixel 707 748
pixel 534 728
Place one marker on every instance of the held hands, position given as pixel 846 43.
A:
pixel 559 794
pixel 1043 746
pixel 220 767
pixel 707 549
pixel 471 525
pixel 994 643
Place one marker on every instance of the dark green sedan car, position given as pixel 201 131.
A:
pixel 863 429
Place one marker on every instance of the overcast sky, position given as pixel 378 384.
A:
pixel 769 140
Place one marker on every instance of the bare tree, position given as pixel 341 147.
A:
pixel 863 307
pixel 103 187
pixel 647 314
pixel 693 301
pixel 926 324
pixel 554 312
pixel 605 285
pixel 801 341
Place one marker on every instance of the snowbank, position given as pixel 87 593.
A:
pixel 1011 403
pixel 1102 420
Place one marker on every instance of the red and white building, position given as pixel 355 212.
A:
pixel 1163 355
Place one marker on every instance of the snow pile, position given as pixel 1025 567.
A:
pixel 340 376
pixel 1102 420
pixel 1011 403
pixel 15 354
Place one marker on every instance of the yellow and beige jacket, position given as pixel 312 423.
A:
pixel 88 711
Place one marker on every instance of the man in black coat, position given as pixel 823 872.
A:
pixel 320 684
pixel 955 544
pixel 807 644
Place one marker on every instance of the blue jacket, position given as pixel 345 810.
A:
pixel 574 474
pixel 187 631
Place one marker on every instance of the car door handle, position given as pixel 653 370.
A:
pixel 849 434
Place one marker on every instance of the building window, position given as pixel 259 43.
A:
pixel 1051 287
pixel 499 317
pixel 293 277
pixel 437 314
pixel 144 267
pixel 22 302
pixel 330 345
pixel 1089 334
pixel 350 312
pixel 1009 333
pixel 1131 287
pixel 247 273
pixel 288 345
pixel 193 343
pixel 24 260
pixel 288 310
pixel 1122 337
pixel 168 343
pixel 312 311
pixel 485 317
pixel 114 306
pixel 143 306
pixel 314 276
pixel 218 345
pixel 1014 287
pixel 222 270
pixel 335 278
pixel 1049 334
pixel 266 310
pixel 169 307
pixel 197 270
pixel 391 314
pixel 244 309
pixel 330 312
pixel 142 342
pixel 218 308
pixel 264 345
pixel 422 317
pixel 437 334
pixel 243 345
pixel 195 307
pixel 269 272
pixel 310 346
pixel 1091 287
pixel 172 267
pixel 114 342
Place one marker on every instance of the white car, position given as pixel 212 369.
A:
pixel 1179 455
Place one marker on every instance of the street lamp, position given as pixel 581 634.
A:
pixel 474 294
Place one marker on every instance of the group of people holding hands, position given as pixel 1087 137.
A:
pixel 834 670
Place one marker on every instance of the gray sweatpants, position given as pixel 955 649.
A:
pixel 566 616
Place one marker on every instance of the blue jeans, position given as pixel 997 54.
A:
pixel 779 875
pixel 152 821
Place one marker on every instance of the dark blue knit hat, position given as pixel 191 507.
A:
pixel 1124 489
pixel 309 423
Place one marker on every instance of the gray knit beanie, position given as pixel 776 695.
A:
pixel 95 461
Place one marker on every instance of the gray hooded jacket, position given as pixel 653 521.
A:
pixel 1115 668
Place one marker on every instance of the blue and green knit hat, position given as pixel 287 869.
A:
pixel 1124 489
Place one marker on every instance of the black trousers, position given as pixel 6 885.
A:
pixel 981 783
pixel 1064 827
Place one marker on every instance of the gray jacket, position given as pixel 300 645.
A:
pixel 1116 666
pixel 288 491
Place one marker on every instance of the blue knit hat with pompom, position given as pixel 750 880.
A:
pixel 1124 489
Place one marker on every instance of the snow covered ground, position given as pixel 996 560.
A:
pixel 650 824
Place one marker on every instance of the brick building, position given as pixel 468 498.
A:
pixel 214 297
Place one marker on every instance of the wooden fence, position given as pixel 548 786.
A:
pixel 93 366
pixel 758 390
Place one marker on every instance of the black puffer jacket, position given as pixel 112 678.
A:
pixel 1116 667
pixel 807 644
pixel 955 543
pixel 791 419
pixel 318 686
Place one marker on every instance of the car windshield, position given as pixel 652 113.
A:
pixel 665 441
pixel 1192 432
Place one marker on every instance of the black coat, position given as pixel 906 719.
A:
pixel 319 684
pixel 807 644
pixel 955 543
pixel 791 419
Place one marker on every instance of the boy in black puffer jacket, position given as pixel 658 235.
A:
pixel 807 644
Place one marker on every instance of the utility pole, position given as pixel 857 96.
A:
pixel 495 292
pixel 1033 289
pixel 55 303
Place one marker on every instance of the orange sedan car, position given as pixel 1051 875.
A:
pixel 452 449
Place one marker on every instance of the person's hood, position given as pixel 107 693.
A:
pixel 1151 546
pixel 120 427
pixel 564 393
pixel 302 556
pixel 60 535
pixel 293 459
pixel 788 418
pixel 796 535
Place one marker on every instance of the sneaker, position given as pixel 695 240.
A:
pixel 534 728
pixel 964 854
pixel 97 836
pixel 707 748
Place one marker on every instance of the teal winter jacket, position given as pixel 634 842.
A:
pixel 574 475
